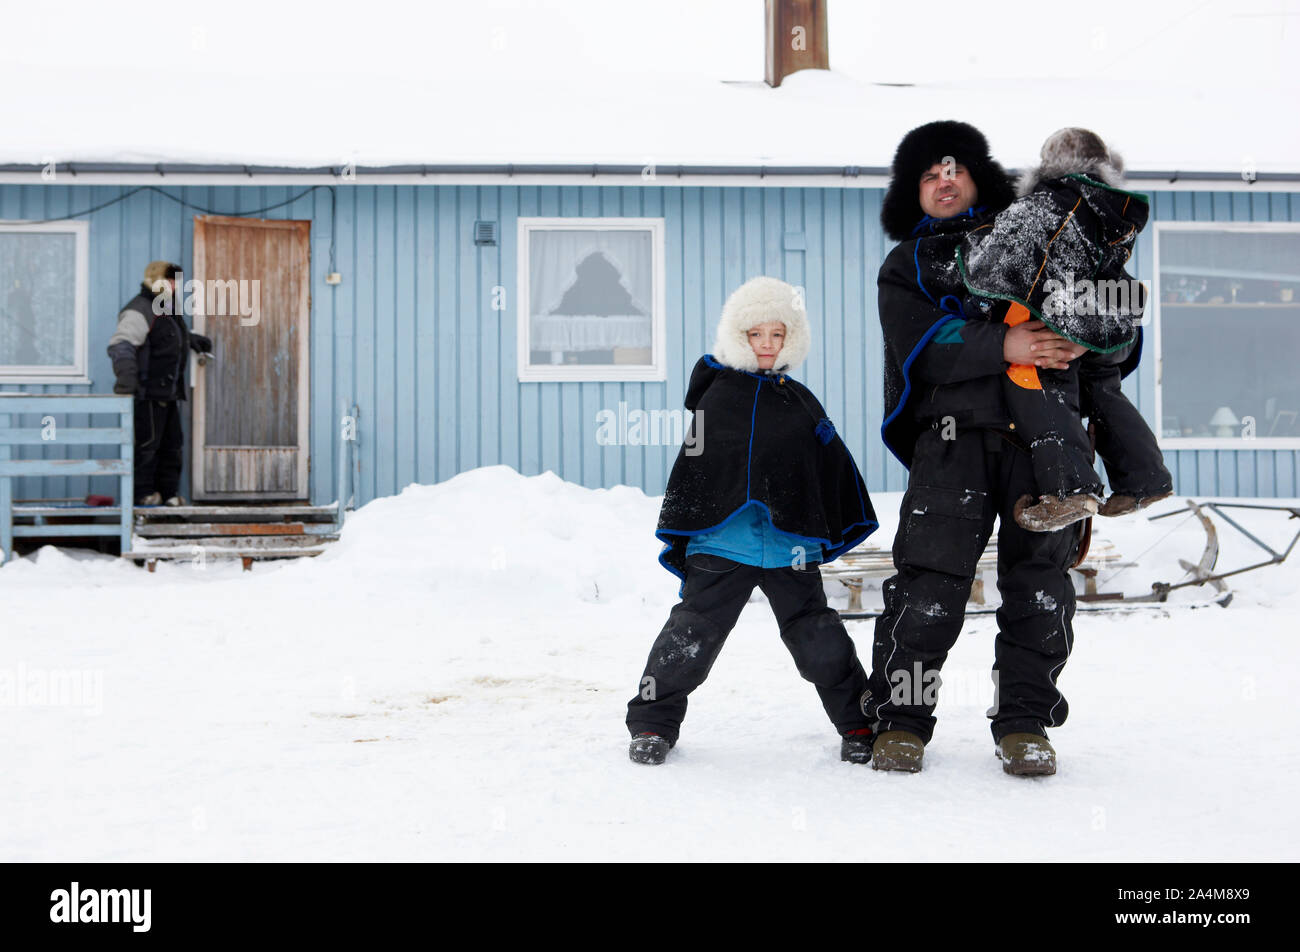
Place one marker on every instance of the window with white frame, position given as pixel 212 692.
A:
pixel 1228 335
pixel 591 299
pixel 43 302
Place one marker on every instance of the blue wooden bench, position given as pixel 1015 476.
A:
pixel 119 434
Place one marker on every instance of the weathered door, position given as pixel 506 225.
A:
pixel 250 420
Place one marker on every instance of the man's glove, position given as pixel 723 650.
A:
pixel 127 383
pixel 200 344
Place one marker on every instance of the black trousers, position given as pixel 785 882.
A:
pixel 955 490
pixel 1047 420
pixel 158 443
pixel 1134 463
pixel 716 590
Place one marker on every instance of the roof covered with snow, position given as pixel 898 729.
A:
pixel 1187 87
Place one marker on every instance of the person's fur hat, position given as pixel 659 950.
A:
pixel 755 302
pixel 158 271
pixel 927 145
pixel 1074 150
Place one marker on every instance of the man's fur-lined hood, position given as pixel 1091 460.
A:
pixel 755 302
pixel 1072 150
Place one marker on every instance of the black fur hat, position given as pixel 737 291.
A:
pixel 923 147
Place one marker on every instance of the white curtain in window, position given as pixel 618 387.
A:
pixel 37 299
pixel 553 258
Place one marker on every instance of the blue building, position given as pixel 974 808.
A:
pixel 450 332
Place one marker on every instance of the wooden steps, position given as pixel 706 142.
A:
pixel 249 533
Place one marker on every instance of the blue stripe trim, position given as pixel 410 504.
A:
pixel 768 375
pixel 916 258
pixel 907 382
pixel 749 452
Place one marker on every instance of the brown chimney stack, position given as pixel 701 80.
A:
pixel 796 38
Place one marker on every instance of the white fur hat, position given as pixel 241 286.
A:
pixel 755 302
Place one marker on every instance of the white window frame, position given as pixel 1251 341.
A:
pixel 78 371
pixel 657 370
pixel 1203 442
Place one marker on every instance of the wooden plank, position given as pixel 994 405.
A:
pixel 67 529
pixel 77 512
pixel 64 467
pixel 301 513
pixel 185 529
pixel 64 403
pixel 67 436
pixel 140 555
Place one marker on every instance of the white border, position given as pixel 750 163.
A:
pixel 77 373
pixel 1234 444
pixel 657 370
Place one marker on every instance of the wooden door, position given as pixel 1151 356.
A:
pixel 251 405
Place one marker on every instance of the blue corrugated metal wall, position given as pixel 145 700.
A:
pixel 411 336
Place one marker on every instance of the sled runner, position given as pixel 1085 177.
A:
pixel 871 562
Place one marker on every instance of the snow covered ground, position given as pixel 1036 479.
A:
pixel 449 682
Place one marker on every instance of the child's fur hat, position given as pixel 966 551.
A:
pixel 755 302
pixel 1074 150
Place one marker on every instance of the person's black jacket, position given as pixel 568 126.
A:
pixel 766 441
pixel 150 352
pixel 943 358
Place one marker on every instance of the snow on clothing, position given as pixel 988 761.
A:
pixel 1063 231
pixel 956 489
pixel 1049 249
pixel 715 591
pixel 766 443
pixel 771 493
pixel 928 337
pixel 944 363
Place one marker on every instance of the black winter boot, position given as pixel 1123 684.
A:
pixel 855 746
pixel 647 748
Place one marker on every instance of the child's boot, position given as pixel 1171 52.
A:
pixel 1122 503
pixel 648 748
pixel 1054 512
pixel 855 746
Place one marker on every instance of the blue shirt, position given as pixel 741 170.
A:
pixel 750 538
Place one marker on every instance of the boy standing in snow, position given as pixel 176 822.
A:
pixel 1059 253
pixel 770 494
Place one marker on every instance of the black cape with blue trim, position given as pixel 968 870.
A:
pixel 762 439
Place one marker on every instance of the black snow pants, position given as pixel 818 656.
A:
pixel 716 590
pixel 158 443
pixel 955 489
pixel 1134 463
pixel 1047 420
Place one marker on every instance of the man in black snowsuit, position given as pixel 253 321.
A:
pixel 947 421
pixel 150 351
